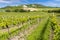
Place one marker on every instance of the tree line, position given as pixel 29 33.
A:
pixel 17 10
pixel 55 11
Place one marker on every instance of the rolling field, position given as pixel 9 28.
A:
pixel 29 26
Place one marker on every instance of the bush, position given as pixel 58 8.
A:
pixel 56 11
pixel 8 10
pixel 16 10
pixel 22 10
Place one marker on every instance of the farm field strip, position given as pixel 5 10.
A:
pixel 57 27
pixel 16 29
pixel 15 19
pixel 26 32
pixel 23 34
pixel 38 32
pixel 23 28
pixel 32 26
pixel 50 31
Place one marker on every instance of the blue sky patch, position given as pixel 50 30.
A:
pixel 54 3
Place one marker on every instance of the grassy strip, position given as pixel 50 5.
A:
pixel 46 33
pixel 36 34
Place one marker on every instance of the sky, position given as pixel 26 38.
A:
pixel 54 3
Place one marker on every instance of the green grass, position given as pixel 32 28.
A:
pixel 38 33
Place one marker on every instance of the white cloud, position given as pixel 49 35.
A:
pixel 9 1
pixel 5 2
pixel 52 3
pixel 56 0
pixel 2 1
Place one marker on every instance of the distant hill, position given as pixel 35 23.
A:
pixel 36 5
pixel 21 6
pixel 28 5
pixel 15 8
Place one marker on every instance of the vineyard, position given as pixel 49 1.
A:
pixel 29 26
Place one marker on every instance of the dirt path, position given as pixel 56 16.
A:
pixel 51 34
pixel 23 34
